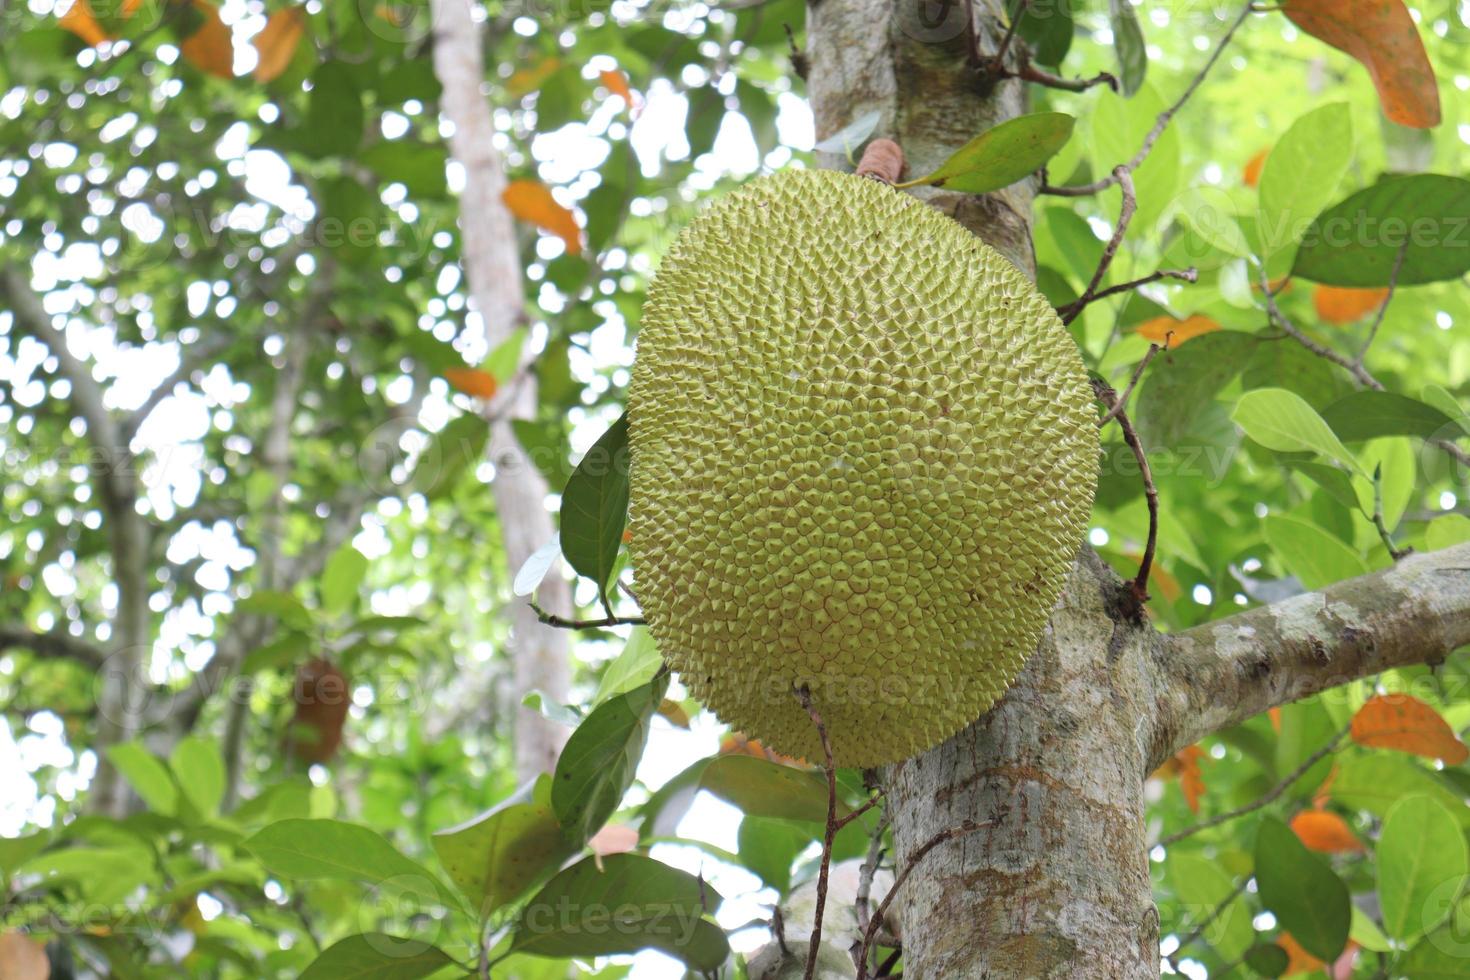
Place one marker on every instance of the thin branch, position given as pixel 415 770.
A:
pixel 1208 920
pixel 866 873
pixel 1109 398
pixel 52 645
pixel 873 801
pixel 1161 123
pixel 1184 275
pixel 1126 210
pixel 1271 795
pixel 1122 400
pixel 968 827
pixel 997 64
pixel 1030 73
pixel 1379 524
pixel 1393 282
pixel 561 622
pixel 804 696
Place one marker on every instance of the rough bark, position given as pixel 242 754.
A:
pixel 492 268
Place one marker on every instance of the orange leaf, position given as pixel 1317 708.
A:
pixel 276 44
pixel 1252 173
pixel 1185 764
pixel 1159 328
pixel 1404 723
pixel 1322 830
pixel 471 381
pixel 79 20
pixel 531 201
pixel 617 83
pixel 210 48
pixel 1300 961
pixel 613 839
pixel 1382 35
pixel 1275 715
pixel 1340 304
pixel 22 958
pixel 528 80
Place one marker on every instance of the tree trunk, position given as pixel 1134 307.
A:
pixel 540 654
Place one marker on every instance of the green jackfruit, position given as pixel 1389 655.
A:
pixel 863 459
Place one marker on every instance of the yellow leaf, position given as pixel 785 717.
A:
pixel 1325 831
pixel 210 48
pixel 80 21
pixel 1252 173
pixel 1382 35
pixel 471 381
pixel 528 80
pixel 617 83
pixel 531 201
pixel 1175 332
pixel 1340 304
pixel 1299 960
pixel 1406 724
pixel 276 44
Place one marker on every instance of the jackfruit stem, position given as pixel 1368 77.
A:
pixel 883 161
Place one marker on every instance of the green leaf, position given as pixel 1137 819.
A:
pixel 594 506
pixel 633 668
pixel 1047 29
pixel 1437 397
pixel 417 166
pixel 1001 156
pixel 1442 955
pixel 1393 459
pixel 1268 959
pixel 341 577
pixel 1337 483
pixel 200 770
pixel 334 116
pixel 376 956
pixel 503 362
pixel 1375 782
pixel 277 605
pixel 1365 933
pixel 495 857
pixel 1302 173
pixel 1357 241
pixel 334 849
pixel 1281 420
pixel 1202 888
pixel 1183 383
pixel 148 776
pixel 630 903
pixel 15 851
pixel 1305 727
pixel 1447 531
pixel 1313 555
pixel 458 446
pixel 1369 414
pixel 1129 44
pixel 1422 864
pixel 770 847
pixel 764 788
pixel 1307 898
pixel 1210 213
pixel 597 765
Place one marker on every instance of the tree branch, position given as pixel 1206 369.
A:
pixel 1218 674
pixel 52 645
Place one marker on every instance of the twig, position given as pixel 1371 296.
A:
pixel 1208 920
pixel 968 827
pixel 1394 551
pixel 1160 124
pixel 1125 215
pixel 1122 400
pixel 1270 797
pixel 1185 275
pixel 1109 398
pixel 804 696
pixel 561 622
pixel 55 644
pixel 1279 318
pixel 866 873
pixel 1393 282
pixel 997 66
pixel 1030 73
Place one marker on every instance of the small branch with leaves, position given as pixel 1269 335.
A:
pixel 562 622
pixel 1114 406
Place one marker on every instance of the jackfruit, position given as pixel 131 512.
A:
pixel 864 453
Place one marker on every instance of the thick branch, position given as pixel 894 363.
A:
pixel 1221 673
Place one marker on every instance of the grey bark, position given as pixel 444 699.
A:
pixel 539 653
pixel 1058 884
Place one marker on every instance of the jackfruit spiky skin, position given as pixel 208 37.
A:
pixel 863 459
